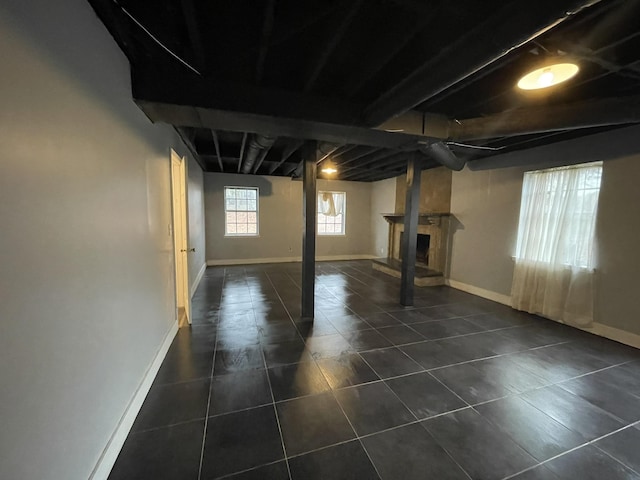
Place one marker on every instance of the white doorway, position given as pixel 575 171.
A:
pixel 180 237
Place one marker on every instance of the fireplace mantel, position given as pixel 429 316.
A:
pixel 423 218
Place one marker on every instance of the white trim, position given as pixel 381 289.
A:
pixel 252 261
pixel 616 334
pixel 599 329
pixel 196 282
pixel 114 445
pixel 480 292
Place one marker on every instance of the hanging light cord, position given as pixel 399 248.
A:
pixel 166 49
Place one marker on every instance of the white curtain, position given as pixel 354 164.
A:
pixel 330 204
pixel 554 270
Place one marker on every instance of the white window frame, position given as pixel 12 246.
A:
pixel 344 216
pixel 226 211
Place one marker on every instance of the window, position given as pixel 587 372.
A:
pixel 558 215
pixel 241 211
pixel 331 213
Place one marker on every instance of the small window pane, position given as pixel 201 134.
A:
pixel 231 217
pixel 231 204
pixel 241 211
pixel 242 228
pixel 252 217
pixel 252 228
pixel 231 228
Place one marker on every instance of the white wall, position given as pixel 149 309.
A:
pixel 383 199
pixel 195 204
pixel 86 282
pixel 486 205
pixel 280 221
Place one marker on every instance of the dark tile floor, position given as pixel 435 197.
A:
pixel 457 387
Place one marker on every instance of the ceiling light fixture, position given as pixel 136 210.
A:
pixel 548 76
pixel 329 168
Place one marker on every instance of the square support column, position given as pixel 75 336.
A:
pixel 309 206
pixel 410 235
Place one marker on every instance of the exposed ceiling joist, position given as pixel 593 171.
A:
pixel 216 144
pixel 595 113
pixel 185 88
pixel 505 30
pixel 333 40
pixel 289 150
pixel 241 154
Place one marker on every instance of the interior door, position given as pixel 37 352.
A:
pixel 180 237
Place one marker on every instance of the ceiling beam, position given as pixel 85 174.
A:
pixel 372 160
pixel 505 30
pixel 594 113
pixel 362 153
pixel 187 116
pixel 180 87
pixel 242 145
pixel 333 41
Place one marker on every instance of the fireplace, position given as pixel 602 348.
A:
pixel 432 250
pixel 422 249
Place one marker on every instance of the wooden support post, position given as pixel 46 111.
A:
pixel 309 202
pixel 410 235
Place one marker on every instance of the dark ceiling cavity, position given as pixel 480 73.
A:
pixel 247 82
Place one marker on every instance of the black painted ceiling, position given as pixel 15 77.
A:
pixel 245 82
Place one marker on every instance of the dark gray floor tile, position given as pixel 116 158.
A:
pixel 327 346
pixel 311 423
pixel 445 328
pixel 237 360
pixel 540 435
pixel 424 395
pixel 373 407
pixel 516 378
pixel 589 463
pixel 473 385
pixel 349 323
pixel 401 334
pixel 606 396
pixel 237 391
pixel 538 473
pixel 341 462
pixel 380 319
pixel 409 453
pixel 285 331
pixel 626 377
pixel 315 328
pixel 439 312
pixel 492 321
pixel 241 440
pixel 174 403
pixel 183 366
pixel 366 340
pixel 390 362
pixel 624 446
pixel 347 370
pixel 573 412
pixel 611 351
pixel 431 354
pixel 163 454
pixel 531 336
pixel 297 380
pixel 238 338
pixel 274 471
pixel 479 447
pixel 284 353
pixel 410 316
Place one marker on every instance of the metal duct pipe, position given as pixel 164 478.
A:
pixel 443 155
pixel 257 144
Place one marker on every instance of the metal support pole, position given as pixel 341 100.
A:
pixel 309 202
pixel 410 235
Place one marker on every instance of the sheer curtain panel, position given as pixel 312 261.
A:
pixel 554 263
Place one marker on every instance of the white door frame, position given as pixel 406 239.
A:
pixel 180 233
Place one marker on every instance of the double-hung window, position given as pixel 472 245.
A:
pixel 558 215
pixel 331 213
pixel 241 211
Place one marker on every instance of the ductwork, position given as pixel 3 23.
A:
pixel 443 155
pixel 257 144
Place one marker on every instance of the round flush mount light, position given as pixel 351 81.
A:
pixel 329 168
pixel 548 76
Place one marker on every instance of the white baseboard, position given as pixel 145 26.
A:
pixel 196 282
pixel 616 334
pixel 599 329
pixel 253 261
pixel 115 443
pixel 480 292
